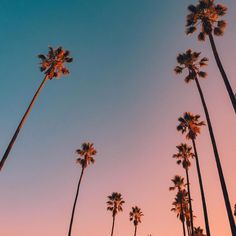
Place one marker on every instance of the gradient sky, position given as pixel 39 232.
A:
pixel 122 95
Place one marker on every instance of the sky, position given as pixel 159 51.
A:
pixel 123 96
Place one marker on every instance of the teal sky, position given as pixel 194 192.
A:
pixel 122 95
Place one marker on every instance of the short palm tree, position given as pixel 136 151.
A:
pixel 198 232
pixel 114 204
pixel 53 66
pixel 191 62
pixel 86 157
pixel 135 216
pixel 207 14
pixel 184 157
pixel 190 125
pixel 180 207
pixel 178 182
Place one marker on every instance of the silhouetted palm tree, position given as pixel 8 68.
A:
pixel 198 232
pixel 86 154
pixel 53 66
pixel 183 157
pixel 206 13
pixel 190 61
pixel 181 207
pixel 135 216
pixel 190 124
pixel 235 209
pixel 114 204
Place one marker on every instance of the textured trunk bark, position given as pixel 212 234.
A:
pixel 76 197
pixel 190 201
pixel 222 71
pixel 10 145
pixel 218 163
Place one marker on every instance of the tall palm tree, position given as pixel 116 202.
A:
pixel 86 157
pixel 114 204
pixel 53 66
pixel 178 182
pixel 235 209
pixel 135 216
pixel 180 207
pixel 190 61
pixel 198 232
pixel 184 157
pixel 207 14
pixel 190 125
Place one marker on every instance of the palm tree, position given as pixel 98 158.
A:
pixel 183 157
pixel 135 216
pixel 178 182
pixel 235 209
pixel 198 232
pixel 207 14
pixel 190 124
pixel 190 61
pixel 180 207
pixel 114 204
pixel 53 66
pixel 86 157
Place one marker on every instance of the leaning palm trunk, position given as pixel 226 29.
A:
pixel 10 145
pixel 190 202
pixel 218 163
pixel 135 230
pixel 223 74
pixel 113 224
pixel 76 197
pixel 201 189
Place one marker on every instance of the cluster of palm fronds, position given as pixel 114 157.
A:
pixel 205 14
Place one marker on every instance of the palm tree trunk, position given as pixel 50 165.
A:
pixel 190 201
pixel 184 232
pixel 188 229
pixel 113 224
pixel 135 230
pixel 76 196
pixel 201 189
pixel 218 163
pixel 10 145
pixel 223 74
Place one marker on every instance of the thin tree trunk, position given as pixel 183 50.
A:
pixel 10 145
pixel 188 229
pixel 218 163
pixel 135 230
pixel 76 196
pixel 223 74
pixel 184 232
pixel 201 189
pixel 190 201
pixel 113 224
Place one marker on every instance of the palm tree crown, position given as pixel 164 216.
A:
pixel 114 203
pixel 184 155
pixel 207 13
pixel 86 154
pixel 135 215
pixel 53 63
pixel 191 62
pixel 178 182
pixel 190 123
pixel 198 232
pixel 180 205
